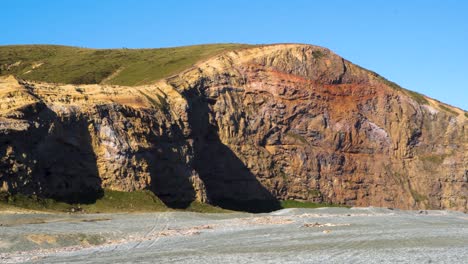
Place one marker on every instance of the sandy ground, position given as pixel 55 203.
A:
pixel 325 235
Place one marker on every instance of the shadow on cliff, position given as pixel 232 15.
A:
pixel 170 174
pixel 67 163
pixel 229 183
pixel 165 158
pixel 60 158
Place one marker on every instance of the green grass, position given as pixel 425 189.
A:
pixel 297 137
pixel 418 197
pixel 162 105
pixel 205 208
pixel 111 202
pixel 417 96
pixel 315 193
pixel 62 64
pixel 32 203
pixel 421 99
pixel 117 201
pixel 298 204
pixel 317 54
pixel 434 159
pixel 446 109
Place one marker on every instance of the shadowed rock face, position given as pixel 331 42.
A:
pixel 241 131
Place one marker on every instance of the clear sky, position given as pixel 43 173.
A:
pixel 421 45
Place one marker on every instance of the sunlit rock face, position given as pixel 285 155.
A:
pixel 240 130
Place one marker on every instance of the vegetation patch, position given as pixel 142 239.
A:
pixel 297 137
pixel 283 175
pixel 421 99
pixel 32 202
pixel 161 105
pixel 63 64
pixel 393 85
pixel 317 54
pixel 418 197
pixel 446 109
pixel 117 201
pixel 111 202
pixel 163 102
pixel 300 204
pixel 205 208
pixel 143 201
pixel 434 159
pixel 315 193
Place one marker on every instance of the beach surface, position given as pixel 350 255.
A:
pixel 324 235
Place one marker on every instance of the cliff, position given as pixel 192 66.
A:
pixel 242 129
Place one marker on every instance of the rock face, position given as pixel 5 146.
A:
pixel 241 130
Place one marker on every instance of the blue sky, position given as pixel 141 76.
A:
pixel 421 45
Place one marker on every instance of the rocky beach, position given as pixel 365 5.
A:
pixel 324 235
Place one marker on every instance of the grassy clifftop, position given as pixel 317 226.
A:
pixel 62 64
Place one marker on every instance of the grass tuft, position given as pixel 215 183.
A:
pixel 205 208
pixel 421 99
pixel 117 201
pixel 418 197
pixel 446 109
pixel 317 54
pixel 297 137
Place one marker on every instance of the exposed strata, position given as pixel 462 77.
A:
pixel 247 127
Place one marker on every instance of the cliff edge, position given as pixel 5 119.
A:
pixel 244 128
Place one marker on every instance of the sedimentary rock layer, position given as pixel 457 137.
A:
pixel 246 128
